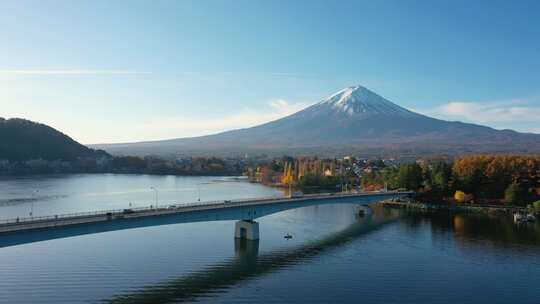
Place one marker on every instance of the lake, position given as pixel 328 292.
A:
pixel 335 256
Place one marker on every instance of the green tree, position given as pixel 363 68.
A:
pixel 410 176
pixel 514 194
pixel 441 176
pixel 314 181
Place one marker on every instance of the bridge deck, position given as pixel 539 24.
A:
pixel 32 223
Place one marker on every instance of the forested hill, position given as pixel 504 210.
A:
pixel 22 139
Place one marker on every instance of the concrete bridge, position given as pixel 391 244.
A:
pixel 26 230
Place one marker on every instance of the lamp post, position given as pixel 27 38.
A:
pixel 34 195
pixel 156 191
pixel 198 192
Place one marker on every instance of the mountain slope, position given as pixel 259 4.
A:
pixel 352 120
pixel 22 139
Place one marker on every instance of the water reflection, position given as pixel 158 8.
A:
pixel 248 263
pixel 246 249
pixel 469 231
pixel 413 259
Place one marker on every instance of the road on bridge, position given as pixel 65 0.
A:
pixel 57 221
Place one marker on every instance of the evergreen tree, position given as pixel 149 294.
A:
pixel 514 194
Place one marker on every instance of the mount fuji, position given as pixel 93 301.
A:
pixel 353 120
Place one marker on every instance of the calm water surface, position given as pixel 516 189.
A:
pixel 49 195
pixel 335 256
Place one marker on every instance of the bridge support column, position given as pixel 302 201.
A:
pixel 246 230
pixel 246 248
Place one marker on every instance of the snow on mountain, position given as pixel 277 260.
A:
pixel 357 100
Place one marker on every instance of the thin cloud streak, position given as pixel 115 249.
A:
pixel 176 127
pixel 71 72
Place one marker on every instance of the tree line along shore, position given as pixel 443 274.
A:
pixel 479 180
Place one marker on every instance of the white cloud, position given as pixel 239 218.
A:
pixel 71 72
pixel 178 126
pixel 282 107
pixel 489 112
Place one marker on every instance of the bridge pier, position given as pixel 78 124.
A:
pixel 246 229
pixel 246 248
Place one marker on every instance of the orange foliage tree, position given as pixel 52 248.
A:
pixel 488 176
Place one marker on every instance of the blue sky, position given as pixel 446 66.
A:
pixel 119 71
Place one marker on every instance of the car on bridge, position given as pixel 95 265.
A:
pixel 128 211
pixel 297 194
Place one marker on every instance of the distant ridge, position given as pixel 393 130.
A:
pixel 21 140
pixel 353 120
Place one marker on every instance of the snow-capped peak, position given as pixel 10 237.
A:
pixel 357 100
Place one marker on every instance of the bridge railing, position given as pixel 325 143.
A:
pixel 68 215
pixel 177 206
pixel 174 206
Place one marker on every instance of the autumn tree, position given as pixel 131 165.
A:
pixel 288 174
pixel 488 176
pixel 462 197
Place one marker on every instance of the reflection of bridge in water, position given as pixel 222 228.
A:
pixel 27 230
pixel 249 264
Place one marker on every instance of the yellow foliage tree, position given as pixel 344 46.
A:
pixel 461 197
pixel 288 177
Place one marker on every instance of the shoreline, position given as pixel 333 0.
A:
pixel 454 208
pixel 3 175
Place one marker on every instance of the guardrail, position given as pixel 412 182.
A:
pixel 176 206
pixel 33 219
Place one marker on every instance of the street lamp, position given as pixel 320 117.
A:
pixel 290 189
pixel 198 192
pixel 156 191
pixel 34 195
